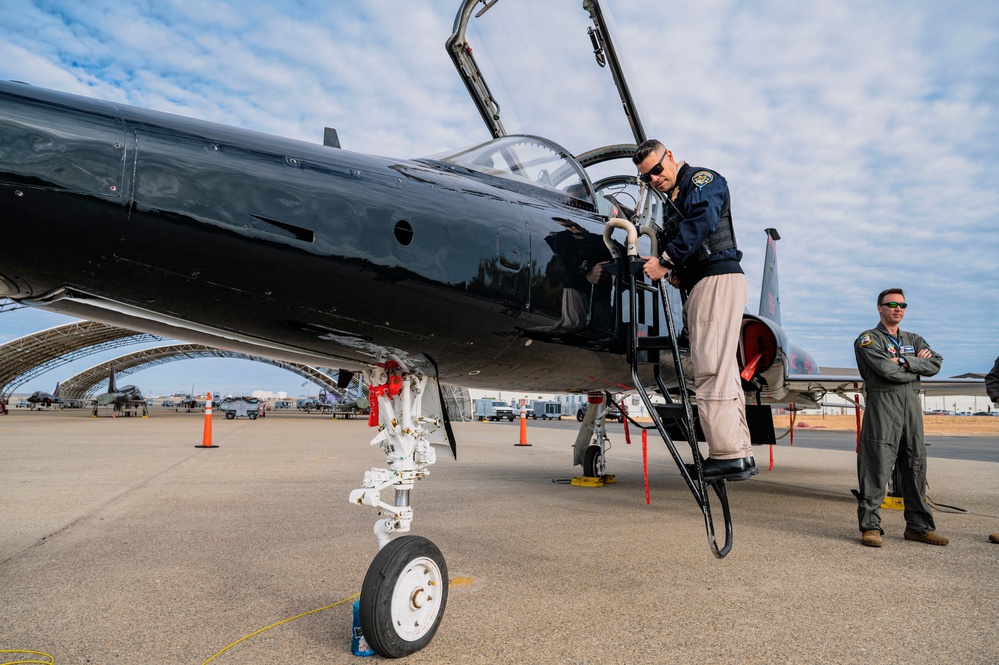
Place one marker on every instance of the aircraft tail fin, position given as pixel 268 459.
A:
pixel 111 386
pixel 770 293
pixel 56 392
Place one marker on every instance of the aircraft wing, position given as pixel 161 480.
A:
pixel 816 386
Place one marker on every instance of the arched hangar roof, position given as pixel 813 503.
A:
pixel 89 381
pixel 26 357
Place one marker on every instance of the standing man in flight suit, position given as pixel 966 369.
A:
pixel 992 383
pixel 700 256
pixel 891 361
pixel 992 388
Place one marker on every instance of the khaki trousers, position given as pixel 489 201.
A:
pixel 713 315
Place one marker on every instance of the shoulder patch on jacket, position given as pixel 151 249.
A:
pixel 865 340
pixel 702 178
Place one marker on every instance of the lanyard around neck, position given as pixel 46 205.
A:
pixel 896 342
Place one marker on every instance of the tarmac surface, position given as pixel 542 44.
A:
pixel 120 542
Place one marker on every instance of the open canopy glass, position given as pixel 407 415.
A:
pixel 547 69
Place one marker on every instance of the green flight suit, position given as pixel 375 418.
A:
pixel 892 432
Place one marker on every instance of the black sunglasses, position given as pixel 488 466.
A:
pixel 893 304
pixel 655 170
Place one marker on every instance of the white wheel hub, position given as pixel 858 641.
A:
pixel 416 598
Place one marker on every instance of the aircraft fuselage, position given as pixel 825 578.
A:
pixel 312 254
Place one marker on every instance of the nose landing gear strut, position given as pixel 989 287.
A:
pixel 404 593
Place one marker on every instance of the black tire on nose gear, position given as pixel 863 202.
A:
pixel 403 596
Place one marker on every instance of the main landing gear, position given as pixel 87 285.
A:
pixel 405 590
pixel 592 442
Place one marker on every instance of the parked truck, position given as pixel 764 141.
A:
pixel 492 409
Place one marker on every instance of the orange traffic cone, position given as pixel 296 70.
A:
pixel 523 426
pixel 206 440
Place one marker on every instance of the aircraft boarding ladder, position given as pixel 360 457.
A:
pixel 646 350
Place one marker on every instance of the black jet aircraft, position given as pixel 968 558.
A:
pixel 510 264
pixel 41 398
pixel 125 400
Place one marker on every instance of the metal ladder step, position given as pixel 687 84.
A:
pixel 671 411
pixel 654 343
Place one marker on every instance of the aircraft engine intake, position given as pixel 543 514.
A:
pixel 758 346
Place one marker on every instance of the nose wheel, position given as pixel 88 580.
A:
pixel 403 596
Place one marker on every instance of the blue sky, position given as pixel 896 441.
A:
pixel 867 133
